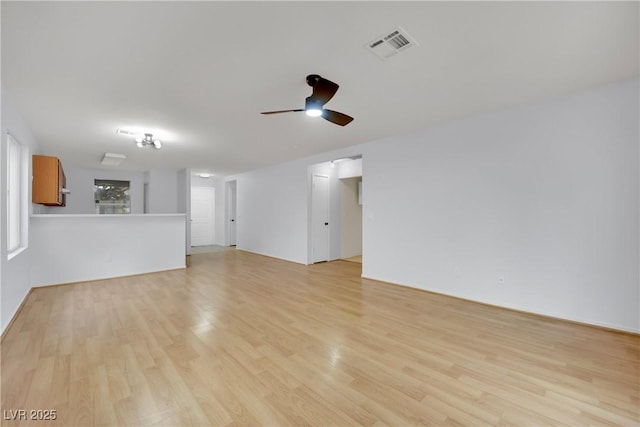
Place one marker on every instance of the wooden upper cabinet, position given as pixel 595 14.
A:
pixel 49 181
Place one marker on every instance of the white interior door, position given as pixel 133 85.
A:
pixel 202 216
pixel 320 218
pixel 231 212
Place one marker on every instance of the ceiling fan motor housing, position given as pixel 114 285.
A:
pixel 312 79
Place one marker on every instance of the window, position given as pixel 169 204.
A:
pixel 112 197
pixel 14 195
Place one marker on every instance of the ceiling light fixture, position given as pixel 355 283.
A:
pixel 205 175
pixel 127 132
pixel 343 159
pixel 313 107
pixel 148 141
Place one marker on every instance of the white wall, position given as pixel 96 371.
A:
pixel 197 181
pixel 163 191
pixel 271 214
pixel 274 208
pixel 183 204
pixel 80 181
pixel 349 168
pixel 545 195
pixel 120 245
pixel 14 273
pixel 350 218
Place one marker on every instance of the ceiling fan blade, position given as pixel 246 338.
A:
pixel 282 111
pixel 323 90
pixel 336 117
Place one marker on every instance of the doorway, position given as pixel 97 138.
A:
pixel 320 218
pixel 202 216
pixel 145 200
pixel 351 218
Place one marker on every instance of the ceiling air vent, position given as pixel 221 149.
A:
pixel 390 43
pixel 112 159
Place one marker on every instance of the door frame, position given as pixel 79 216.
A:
pixel 231 207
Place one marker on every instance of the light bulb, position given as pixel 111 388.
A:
pixel 140 144
pixel 157 143
pixel 313 112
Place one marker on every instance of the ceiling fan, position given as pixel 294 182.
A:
pixel 323 91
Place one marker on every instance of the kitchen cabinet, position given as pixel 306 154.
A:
pixel 49 181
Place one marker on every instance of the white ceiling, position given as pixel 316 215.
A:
pixel 197 74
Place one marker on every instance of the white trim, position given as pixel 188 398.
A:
pixel 23 191
pixel 101 215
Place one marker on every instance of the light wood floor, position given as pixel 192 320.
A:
pixel 211 248
pixel 357 258
pixel 241 339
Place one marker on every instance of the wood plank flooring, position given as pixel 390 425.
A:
pixel 241 339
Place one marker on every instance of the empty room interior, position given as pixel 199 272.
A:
pixel 320 213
